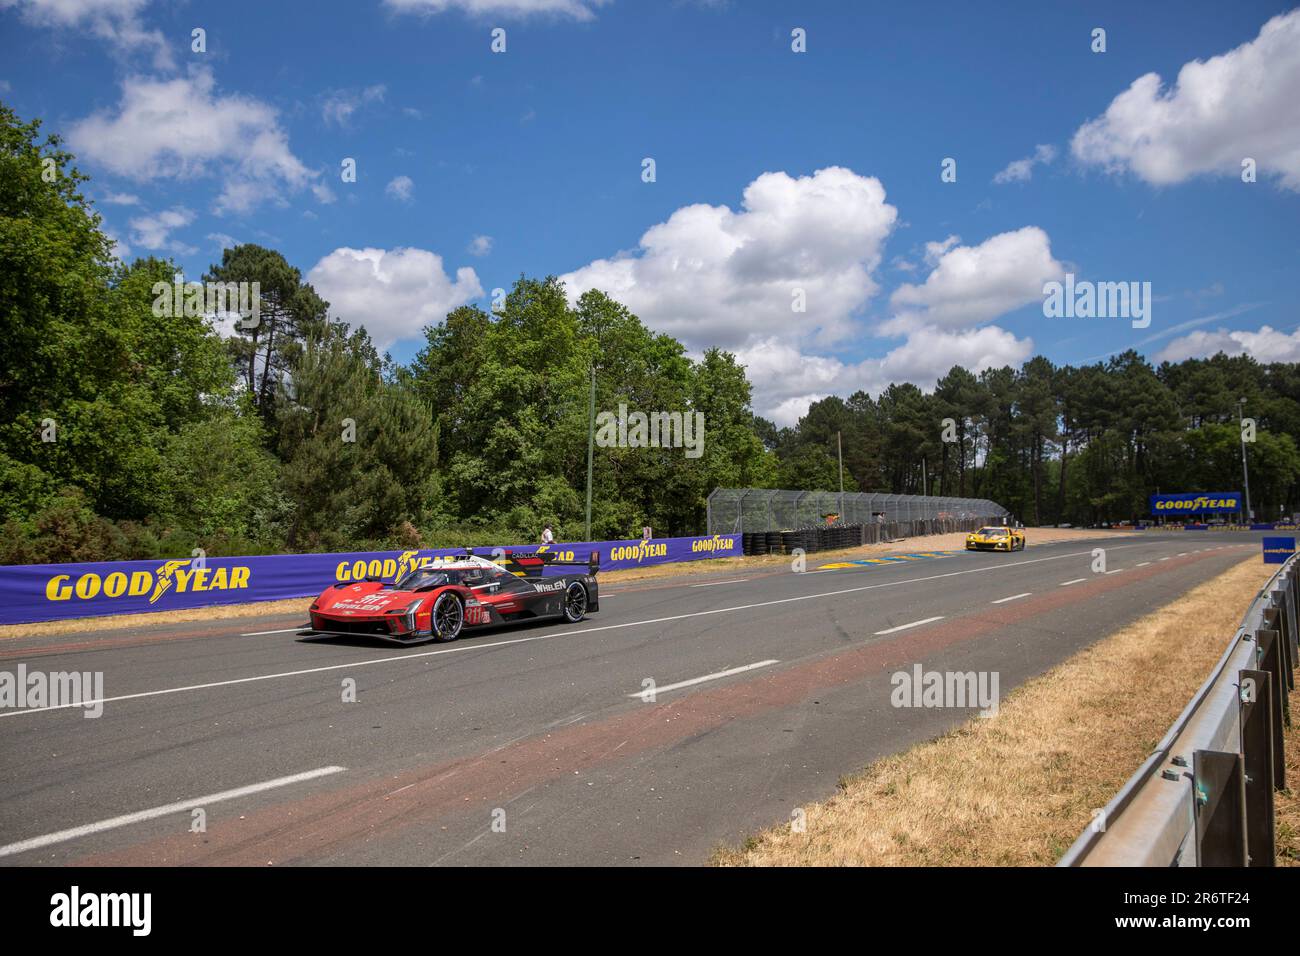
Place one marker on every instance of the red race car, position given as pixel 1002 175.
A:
pixel 437 601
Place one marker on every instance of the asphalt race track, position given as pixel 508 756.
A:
pixel 541 728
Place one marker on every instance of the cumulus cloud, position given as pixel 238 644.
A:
pixel 116 21
pixel 339 105
pixel 1265 345
pixel 394 293
pixel 183 128
pixel 480 245
pixel 153 231
pixel 971 285
pixel 401 188
pixel 1236 105
pixel 1022 170
pixel 572 9
pixel 122 199
pixel 711 275
pixel 716 276
pixel 787 381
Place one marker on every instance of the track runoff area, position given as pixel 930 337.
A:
pixel 690 712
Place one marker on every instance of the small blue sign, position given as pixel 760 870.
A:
pixel 1278 550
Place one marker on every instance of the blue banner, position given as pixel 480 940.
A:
pixel 49 592
pixel 1197 503
pixel 1278 550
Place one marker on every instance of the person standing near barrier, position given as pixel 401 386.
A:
pixel 548 535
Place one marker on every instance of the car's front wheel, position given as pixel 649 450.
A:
pixel 447 617
pixel 575 602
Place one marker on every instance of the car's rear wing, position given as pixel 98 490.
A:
pixel 531 564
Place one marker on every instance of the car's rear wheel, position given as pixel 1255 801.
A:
pixel 575 602
pixel 447 617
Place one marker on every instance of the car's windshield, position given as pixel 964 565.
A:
pixel 421 579
pixel 993 530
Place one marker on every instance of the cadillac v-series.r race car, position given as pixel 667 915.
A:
pixel 996 538
pixel 437 601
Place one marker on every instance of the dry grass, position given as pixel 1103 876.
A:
pixel 1016 790
pixel 940 542
pixel 112 622
pixel 1286 803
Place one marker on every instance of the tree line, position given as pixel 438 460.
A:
pixel 129 431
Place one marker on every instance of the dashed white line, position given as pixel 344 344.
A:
pixel 645 694
pixel 904 627
pixel 283 630
pixel 395 658
pixel 1143 564
pixel 62 836
pixel 1075 581
pixel 711 584
pixel 1014 597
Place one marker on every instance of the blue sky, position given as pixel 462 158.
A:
pixel 775 171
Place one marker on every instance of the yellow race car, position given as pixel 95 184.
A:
pixel 996 538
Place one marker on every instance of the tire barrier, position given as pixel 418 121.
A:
pixel 1205 796
pixel 811 540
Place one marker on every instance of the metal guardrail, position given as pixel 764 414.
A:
pixel 1204 797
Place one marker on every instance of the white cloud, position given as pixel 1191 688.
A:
pixel 714 276
pixel 182 128
pixel 788 381
pixel 1022 170
pixel 574 9
pixel 116 21
pixel 971 285
pixel 153 231
pixel 223 240
pixel 480 245
pixel 401 188
pixel 339 105
pixel 394 293
pixel 122 199
pixel 1265 345
pixel 1236 105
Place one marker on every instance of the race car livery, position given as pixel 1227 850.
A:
pixel 437 601
pixel 996 538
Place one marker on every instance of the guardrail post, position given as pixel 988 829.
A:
pixel 1218 786
pixel 1285 610
pixel 1257 743
pixel 1268 659
pixel 1291 585
pixel 1276 618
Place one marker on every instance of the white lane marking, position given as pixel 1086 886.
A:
pixel 1075 581
pixel 711 584
pixel 392 658
pixel 1165 558
pixel 904 627
pixel 1143 564
pixel 1014 597
pixel 644 694
pixel 283 630
pixel 1116 571
pixel 1182 554
pixel 62 836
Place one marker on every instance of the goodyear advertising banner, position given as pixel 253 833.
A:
pixel 1278 550
pixel 47 592
pixel 1196 503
